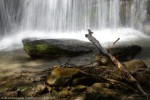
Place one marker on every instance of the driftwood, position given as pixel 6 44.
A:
pixel 120 66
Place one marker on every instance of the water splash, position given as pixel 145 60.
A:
pixel 106 37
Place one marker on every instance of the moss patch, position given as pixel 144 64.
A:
pixel 48 51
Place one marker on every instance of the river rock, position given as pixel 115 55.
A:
pixel 78 88
pixel 41 89
pixel 53 48
pixel 125 53
pixel 135 64
pixel 60 77
pixel 96 93
pixel 103 60
pixel 143 77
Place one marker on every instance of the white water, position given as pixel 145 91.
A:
pixel 106 37
pixel 70 19
pixel 76 15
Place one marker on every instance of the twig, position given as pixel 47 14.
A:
pixel 116 41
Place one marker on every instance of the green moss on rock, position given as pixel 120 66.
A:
pixel 55 48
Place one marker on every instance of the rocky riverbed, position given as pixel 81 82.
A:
pixel 22 76
pixel 76 83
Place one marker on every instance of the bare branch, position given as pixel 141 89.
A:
pixel 116 41
pixel 120 66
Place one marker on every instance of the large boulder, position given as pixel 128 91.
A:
pixel 53 48
pixel 125 52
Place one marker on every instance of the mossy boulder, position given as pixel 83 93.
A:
pixel 54 48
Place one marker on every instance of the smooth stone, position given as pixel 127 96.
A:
pixel 54 48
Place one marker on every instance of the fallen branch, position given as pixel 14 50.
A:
pixel 120 66
pixel 116 41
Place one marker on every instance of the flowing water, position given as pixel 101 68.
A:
pixel 109 19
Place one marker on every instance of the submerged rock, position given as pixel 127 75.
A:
pixel 53 48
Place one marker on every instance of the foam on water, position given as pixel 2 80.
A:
pixel 105 37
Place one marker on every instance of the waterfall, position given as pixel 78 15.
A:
pixel 10 15
pixel 68 16
pixel 71 15
pixel 75 15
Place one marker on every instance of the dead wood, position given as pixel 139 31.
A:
pixel 120 66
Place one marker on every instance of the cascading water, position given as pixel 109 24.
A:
pixel 51 18
pixel 75 15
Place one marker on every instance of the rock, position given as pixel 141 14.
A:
pixel 53 48
pixel 80 97
pixel 12 89
pixel 100 85
pixel 102 60
pixel 27 91
pixel 60 77
pixel 65 92
pixel 41 89
pixel 96 93
pixel 78 88
pixel 125 53
pixel 133 97
pixel 135 64
pixel 143 77
pixel 109 72
pixel 83 80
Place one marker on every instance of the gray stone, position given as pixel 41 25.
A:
pixel 53 48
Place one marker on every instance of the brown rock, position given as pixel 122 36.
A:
pixel 135 64
pixel 60 77
pixel 78 88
